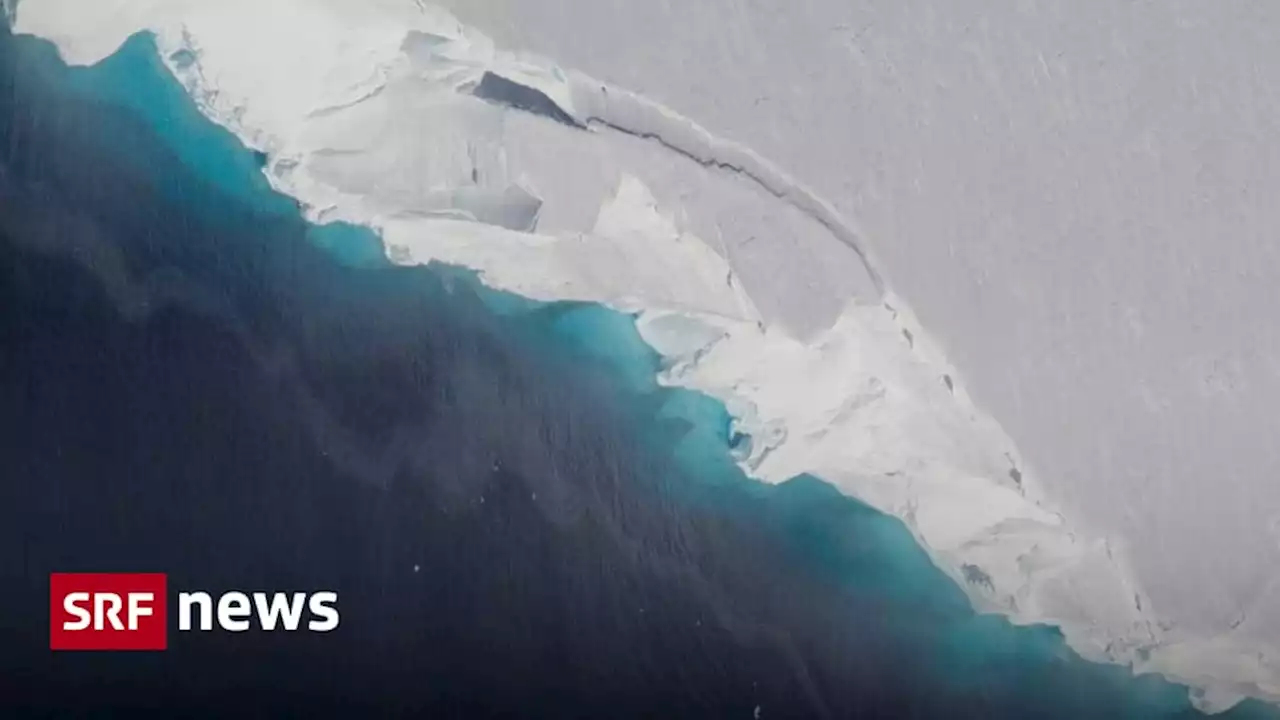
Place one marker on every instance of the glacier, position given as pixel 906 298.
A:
pixel 549 183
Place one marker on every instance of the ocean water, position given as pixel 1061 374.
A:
pixel 519 522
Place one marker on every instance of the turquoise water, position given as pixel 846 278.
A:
pixel 835 549
pixel 135 79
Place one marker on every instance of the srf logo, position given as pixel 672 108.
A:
pixel 107 611
pixel 126 611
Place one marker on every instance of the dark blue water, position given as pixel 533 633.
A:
pixel 518 522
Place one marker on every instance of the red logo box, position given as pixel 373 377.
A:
pixel 108 611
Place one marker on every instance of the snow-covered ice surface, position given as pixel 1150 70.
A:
pixel 1074 197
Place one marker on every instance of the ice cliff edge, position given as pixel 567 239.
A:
pixel 392 114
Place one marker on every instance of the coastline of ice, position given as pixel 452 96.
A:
pixel 367 116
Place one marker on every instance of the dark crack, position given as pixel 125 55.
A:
pixel 502 91
pixel 806 203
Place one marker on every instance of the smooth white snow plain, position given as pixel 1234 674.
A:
pixel 965 141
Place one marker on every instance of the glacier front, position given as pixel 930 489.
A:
pixel 758 291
